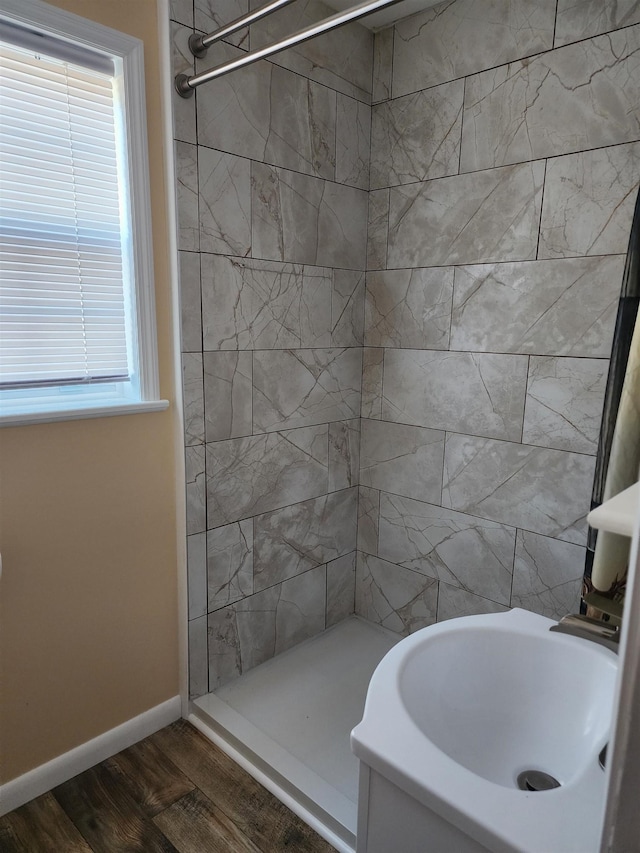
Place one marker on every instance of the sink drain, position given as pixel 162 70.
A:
pixel 536 780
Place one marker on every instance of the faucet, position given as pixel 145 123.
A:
pixel 589 629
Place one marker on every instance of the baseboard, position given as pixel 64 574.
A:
pixel 19 791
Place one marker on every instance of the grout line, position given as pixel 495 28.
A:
pixel 519 58
pixel 526 395
pixel 544 182
pixel 462 109
pixel 388 219
pixel 280 583
pixel 373 64
pixel 469 263
pixel 311 175
pixel 513 566
pixel 393 56
pixel 468 514
pixel 511 165
pixel 444 455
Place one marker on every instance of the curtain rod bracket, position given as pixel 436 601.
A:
pixel 182 86
pixel 197 46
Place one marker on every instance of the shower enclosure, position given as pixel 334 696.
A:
pixel 395 336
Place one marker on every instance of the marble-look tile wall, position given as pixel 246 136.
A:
pixel 505 158
pixel 273 177
pixel 423 446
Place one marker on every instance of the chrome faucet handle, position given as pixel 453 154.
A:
pixel 591 629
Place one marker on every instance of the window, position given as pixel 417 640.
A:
pixel 77 324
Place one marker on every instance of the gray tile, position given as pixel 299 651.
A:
pixel 255 629
pixel 406 460
pixel 182 11
pixel 197 574
pixel 247 476
pixel 184 109
pixel 347 308
pixel 455 39
pixel 473 554
pixel 588 202
pixel 210 15
pixel 409 308
pixel 563 307
pixel 320 123
pixel 569 99
pixel 485 216
pixel 547 575
pixel 301 608
pixel 368 519
pixel 322 385
pixel 292 540
pixel 545 491
pixel 344 454
pixel 473 393
pixel 378 229
pixel 341 588
pixel 417 137
pixel 564 403
pixel 580 19
pixel 198 677
pixel 196 488
pixel 225 203
pixel 341 59
pixel 234 111
pixel 302 219
pixel 398 599
pixel 353 142
pixel 270 115
pixel 251 304
pixel 454 602
pixel 187 196
pixel 372 368
pixel 193 395
pixel 229 564
pixel 227 391
pixel 382 65
pixel 224 657
pixel 190 302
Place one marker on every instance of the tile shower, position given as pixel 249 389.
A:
pixel 400 262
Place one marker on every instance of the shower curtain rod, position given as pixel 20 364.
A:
pixel 185 85
pixel 198 44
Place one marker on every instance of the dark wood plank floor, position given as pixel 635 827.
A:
pixel 174 791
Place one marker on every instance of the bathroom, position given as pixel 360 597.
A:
pixel 424 230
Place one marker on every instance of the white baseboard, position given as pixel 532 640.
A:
pixel 19 791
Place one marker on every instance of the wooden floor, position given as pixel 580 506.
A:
pixel 173 791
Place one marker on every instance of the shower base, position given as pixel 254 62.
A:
pixel 288 723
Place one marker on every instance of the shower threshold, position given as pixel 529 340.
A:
pixel 288 723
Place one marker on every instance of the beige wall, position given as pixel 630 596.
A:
pixel 88 597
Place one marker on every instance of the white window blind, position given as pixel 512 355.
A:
pixel 64 270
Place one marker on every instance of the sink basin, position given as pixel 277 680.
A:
pixel 500 701
pixel 458 711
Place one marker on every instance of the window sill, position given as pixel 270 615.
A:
pixel 80 414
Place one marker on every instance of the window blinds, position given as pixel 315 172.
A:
pixel 63 262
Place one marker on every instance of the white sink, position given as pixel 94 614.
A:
pixel 457 711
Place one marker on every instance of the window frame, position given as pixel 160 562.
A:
pixel 128 52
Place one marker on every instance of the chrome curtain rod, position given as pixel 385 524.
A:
pixel 185 85
pixel 198 44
